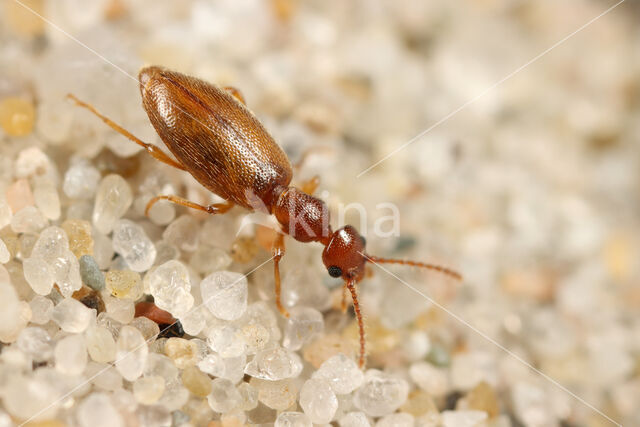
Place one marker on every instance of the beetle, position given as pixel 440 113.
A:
pixel 220 142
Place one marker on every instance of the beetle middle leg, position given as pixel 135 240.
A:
pixel 278 253
pixel 215 208
pixel 236 94
pixel 155 152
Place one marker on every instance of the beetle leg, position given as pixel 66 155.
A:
pixel 236 93
pixel 215 208
pixel 351 285
pixel 155 152
pixel 278 253
pixel 309 186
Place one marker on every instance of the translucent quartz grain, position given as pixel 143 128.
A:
pixel 256 336
pixel 184 353
pixel 148 390
pixel 183 233
pixel 207 259
pixel 124 284
pixel 5 256
pixel 130 241
pixel 54 121
pixel 194 320
pixel 113 199
pixel 226 339
pixel 417 345
pixel 97 410
pixel 72 316
pixel 46 198
pixel 483 398
pixel 79 235
pixel 341 373
pixel 318 401
pixel 53 247
pixel 293 419
pixel 224 396
pixel 170 286
pixel 396 420
pixel 153 415
pixel 148 328
pixel 243 249
pixel 100 344
pixel 196 381
pixel 26 242
pixel 5 212
pixel 71 355
pixel 430 378
pixel 32 162
pixel 23 21
pixel 249 396
pixel 28 220
pixel 17 116
pixel 175 396
pixel 81 181
pixel 131 354
pixel 41 309
pixel 23 402
pixel 225 294
pixel 354 419
pixel 19 195
pixel 36 343
pixel 165 252
pixel 278 395
pixel 12 241
pixel 326 346
pixel 103 376
pixel 231 368
pixel 303 325
pixel 381 393
pixel 462 418
pixel 420 403
pixel 14 316
pixel 179 418
pixel 90 273
pixel 160 213
pixel 275 364
pixel 470 368
pixel 122 310
pixel 304 287
pixel 102 249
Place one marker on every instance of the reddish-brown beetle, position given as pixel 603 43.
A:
pixel 222 144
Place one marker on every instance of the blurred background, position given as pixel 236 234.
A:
pixel 522 172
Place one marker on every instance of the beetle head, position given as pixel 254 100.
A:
pixel 344 254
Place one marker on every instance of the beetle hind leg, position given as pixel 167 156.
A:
pixel 155 152
pixel 215 208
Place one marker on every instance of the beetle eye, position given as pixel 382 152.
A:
pixel 334 271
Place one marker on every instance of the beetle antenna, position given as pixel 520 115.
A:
pixel 444 270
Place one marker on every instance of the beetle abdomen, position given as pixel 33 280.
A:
pixel 219 141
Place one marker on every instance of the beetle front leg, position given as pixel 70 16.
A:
pixel 278 253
